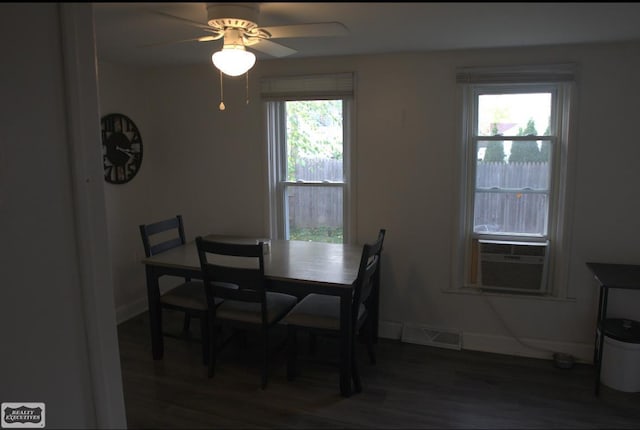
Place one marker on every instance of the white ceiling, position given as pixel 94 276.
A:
pixel 123 28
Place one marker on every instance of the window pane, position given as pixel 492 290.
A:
pixel 512 187
pixel 510 151
pixel 314 140
pixel 514 114
pixel 510 213
pixel 315 213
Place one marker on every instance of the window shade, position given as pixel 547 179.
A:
pixel 311 86
pixel 517 74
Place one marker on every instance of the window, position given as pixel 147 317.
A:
pixel 516 171
pixel 512 186
pixel 308 135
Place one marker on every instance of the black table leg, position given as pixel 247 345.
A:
pixel 155 313
pixel 604 293
pixel 595 346
pixel 346 349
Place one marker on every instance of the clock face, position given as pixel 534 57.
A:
pixel 121 148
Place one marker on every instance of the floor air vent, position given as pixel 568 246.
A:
pixel 423 335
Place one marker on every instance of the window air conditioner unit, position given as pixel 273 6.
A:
pixel 513 266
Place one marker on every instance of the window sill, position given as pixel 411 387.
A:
pixel 472 291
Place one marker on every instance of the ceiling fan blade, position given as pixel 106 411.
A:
pixel 185 20
pixel 318 29
pixel 272 48
pixel 173 42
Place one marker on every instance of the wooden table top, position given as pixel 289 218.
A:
pixel 288 260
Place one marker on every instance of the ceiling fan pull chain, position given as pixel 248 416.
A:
pixel 221 106
pixel 247 87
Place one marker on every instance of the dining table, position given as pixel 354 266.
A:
pixel 293 267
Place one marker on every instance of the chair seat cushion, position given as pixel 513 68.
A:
pixel 278 304
pixel 318 311
pixel 190 295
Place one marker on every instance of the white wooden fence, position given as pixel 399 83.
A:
pixel 511 197
pixel 311 206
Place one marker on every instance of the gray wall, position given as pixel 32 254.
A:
pixel 55 347
pixel 211 167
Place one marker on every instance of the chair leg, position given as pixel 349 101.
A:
pixel 265 357
pixel 292 349
pixel 204 334
pixel 239 336
pixel 313 342
pixel 187 324
pixel 369 341
pixel 357 384
pixel 211 344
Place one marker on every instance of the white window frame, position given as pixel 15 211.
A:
pixel 275 93
pixel 559 80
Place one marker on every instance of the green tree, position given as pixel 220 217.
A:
pixel 526 150
pixel 314 129
pixel 545 148
pixel 495 150
pixel 494 153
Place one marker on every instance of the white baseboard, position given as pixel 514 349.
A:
pixel 128 311
pixel 534 348
pixel 390 330
pixel 135 308
pixel 431 336
pixel 582 352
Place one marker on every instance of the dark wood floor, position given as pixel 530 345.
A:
pixel 412 386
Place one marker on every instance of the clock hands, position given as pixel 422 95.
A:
pixel 121 149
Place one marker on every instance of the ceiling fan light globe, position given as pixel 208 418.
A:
pixel 233 61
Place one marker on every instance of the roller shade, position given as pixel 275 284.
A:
pixel 306 87
pixel 516 74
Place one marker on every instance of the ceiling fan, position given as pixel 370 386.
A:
pixel 237 25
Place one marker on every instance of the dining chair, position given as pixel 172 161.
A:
pixel 370 325
pixel 374 300
pixel 319 314
pixel 187 296
pixel 250 306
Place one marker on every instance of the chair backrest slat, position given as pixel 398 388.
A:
pixel 229 263
pixel 169 226
pixel 166 245
pixel 366 283
pixel 368 272
pixel 165 225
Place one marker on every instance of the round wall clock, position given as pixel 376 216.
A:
pixel 121 148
